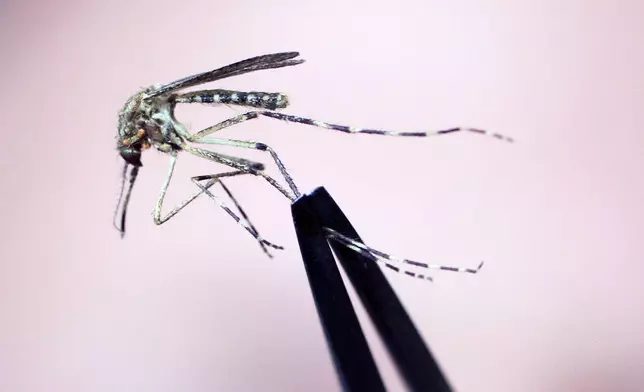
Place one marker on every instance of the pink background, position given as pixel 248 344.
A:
pixel 194 305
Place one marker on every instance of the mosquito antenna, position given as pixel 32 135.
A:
pixel 133 173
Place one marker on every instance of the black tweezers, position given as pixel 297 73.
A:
pixel 352 358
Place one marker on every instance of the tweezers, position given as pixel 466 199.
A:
pixel 352 358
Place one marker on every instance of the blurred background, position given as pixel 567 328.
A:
pixel 194 304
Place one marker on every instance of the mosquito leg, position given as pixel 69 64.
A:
pixel 164 189
pixel 200 137
pixel 159 220
pixel 374 254
pixel 241 165
pixel 348 129
pixel 341 128
pixel 260 147
pixel 245 222
pixel 387 259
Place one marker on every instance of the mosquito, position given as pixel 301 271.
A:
pixel 148 120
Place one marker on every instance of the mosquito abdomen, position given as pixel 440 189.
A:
pixel 254 99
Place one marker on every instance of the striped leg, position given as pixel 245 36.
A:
pixel 245 223
pixel 159 220
pixel 200 137
pixel 374 254
pixel 387 259
pixel 260 147
pixel 341 128
pixel 240 164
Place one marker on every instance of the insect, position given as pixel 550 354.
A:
pixel 148 120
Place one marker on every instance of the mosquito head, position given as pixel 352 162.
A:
pixel 131 155
pixel 131 136
pixel 130 147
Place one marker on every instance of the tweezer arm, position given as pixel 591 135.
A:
pixel 352 358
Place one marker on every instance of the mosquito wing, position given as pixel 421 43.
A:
pixel 268 61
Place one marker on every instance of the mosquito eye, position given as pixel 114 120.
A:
pixel 131 156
